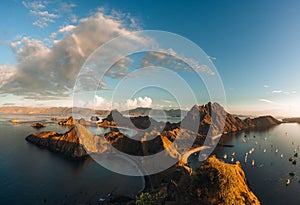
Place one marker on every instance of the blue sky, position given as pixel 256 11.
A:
pixel 255 46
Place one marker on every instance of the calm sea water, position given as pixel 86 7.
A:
pixel 30 175
pixel 268 176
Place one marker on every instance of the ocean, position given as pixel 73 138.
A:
pixel 272 149
pixel 31 175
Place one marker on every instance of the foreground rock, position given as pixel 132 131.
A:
pixel 214 182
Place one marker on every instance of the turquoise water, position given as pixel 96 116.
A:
pixel 30 175
pixel 268 176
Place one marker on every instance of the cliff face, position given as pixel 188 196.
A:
pixel 67 144
pixel 231 123
pixel 74 144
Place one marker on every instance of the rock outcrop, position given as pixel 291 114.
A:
pixel 220 123
pixel 95 118
pixel 69 121
pixel 38 125
pixel 115 118
pixel 214 182
pixel 261 122
pixel 144 146
pixel 67 144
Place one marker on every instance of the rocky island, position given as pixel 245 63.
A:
pixel 215 182
pixel 150 141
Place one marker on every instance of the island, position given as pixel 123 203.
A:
pixel 214 182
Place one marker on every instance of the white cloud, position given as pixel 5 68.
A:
pixel 170 59
pixel 274 103
pixel 33 5
pixel 294 92
pixel 38 10
pixel 144 102
pixel 268 101
pixel 73 18
pixel 67 29
pixel 131 103
pixel 266 86
pixel 211 58
pixel 104 104
pixel 277 91
pixel 7 72
pixel 66 7
pixel 100 102
pixel 138 102
pixel 43 14
pixel 42 70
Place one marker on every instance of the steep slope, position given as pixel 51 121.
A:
pixel 67 144
pixel 220 124
pixel 213 182
pixel 216 182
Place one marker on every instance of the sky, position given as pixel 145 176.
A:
pixel 254 46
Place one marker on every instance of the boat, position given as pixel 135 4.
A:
pixel 245 159
pixel 15 121
pixel 287 182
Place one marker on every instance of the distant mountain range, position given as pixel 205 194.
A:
pixel 291 120
pixel 140 111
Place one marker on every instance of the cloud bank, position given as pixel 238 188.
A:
pixel 51 71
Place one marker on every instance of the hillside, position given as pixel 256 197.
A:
pixel 213 182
